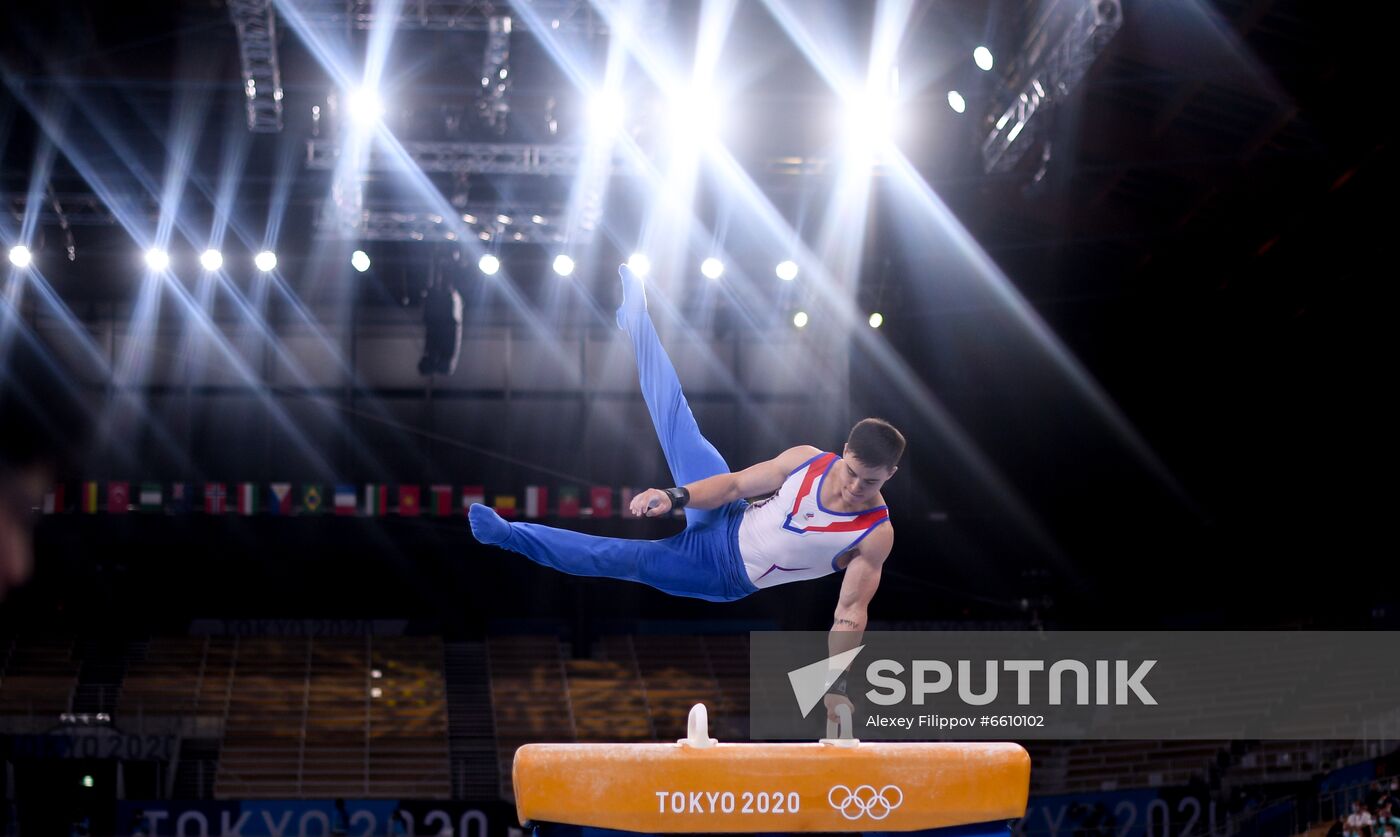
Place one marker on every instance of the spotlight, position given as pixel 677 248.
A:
pixel 489 265
pixel 20 256
pixel 983 57
pixel 799 319
pixel 563 265
pixel 211 260
pixel 787 270
pixel 359 260
pixel 376 692
pixel 364 106
pixel 870 120
pixel 605 113
pixel 157 259
pixel 712 268
pixel 876 320
pixel 956 101
pixel 265 261
pixel 640 264
pixel 695 115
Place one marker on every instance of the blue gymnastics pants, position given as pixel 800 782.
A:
pixel 701 562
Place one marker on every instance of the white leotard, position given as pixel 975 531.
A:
pixel 791 536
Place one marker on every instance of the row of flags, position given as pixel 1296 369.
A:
pixel 368 500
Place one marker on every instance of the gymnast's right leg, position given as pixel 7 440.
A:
pixel 689 455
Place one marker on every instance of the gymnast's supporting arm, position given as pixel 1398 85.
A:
pixel 713 492
pixel 857 589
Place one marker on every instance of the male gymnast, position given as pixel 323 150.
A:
pixel 823 514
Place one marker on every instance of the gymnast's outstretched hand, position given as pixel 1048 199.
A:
pixel 650 503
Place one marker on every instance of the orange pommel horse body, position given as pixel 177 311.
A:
pixel 699 786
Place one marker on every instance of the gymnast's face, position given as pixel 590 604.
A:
pixel 859 483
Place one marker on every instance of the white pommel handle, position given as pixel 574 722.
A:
pixel 840 732
pixel 697 728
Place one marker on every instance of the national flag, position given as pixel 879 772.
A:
pixel 150 497
pixel 118 497
pixel 600 499
pixel 90 497
pixel 279 498
pixel 215 498
pixel 409 501
pixel 472 494
pixel 179 498
pixel 442 500
pixel 536 501
pixel 625 508
pixel 505 505
pixel 345 500
pixel 247 499
pixel 376 500
pixel 53 500
pixel 568 501
pixel 312 499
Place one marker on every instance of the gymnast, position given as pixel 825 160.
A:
pixel 822 513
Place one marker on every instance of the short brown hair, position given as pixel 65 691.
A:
pixel 876 443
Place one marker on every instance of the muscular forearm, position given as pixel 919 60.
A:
pixel 711 492
pixel 846 633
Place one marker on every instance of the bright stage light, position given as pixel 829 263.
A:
pixel 359 260
pixel 876 320
pixel 800 319
pixel 787 270
pixel 211 260
pixel 265 261
pixel 695 116
pixel 712 267
pixel 640 264
pixel 157 259
pixel 364 106
pixel 563 265
pixel 983 57
pixel 871 117
pixel 20 256
pixel 489 264
pixel 605 113
pixel 956 101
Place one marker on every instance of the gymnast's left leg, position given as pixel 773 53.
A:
pixel 682 565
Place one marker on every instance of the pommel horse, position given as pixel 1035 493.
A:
pixel 838 784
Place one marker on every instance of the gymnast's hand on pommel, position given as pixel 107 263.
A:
pixel 832 701
pixel 650 503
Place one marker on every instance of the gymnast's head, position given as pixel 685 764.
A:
pixel 870 458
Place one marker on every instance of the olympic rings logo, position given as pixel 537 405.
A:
pixel 865 801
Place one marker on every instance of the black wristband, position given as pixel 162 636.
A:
pixel 679 495
pixel 839 687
